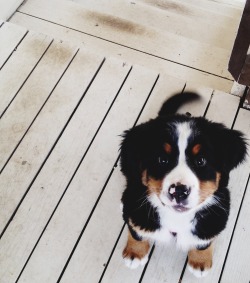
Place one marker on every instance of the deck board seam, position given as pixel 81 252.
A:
pixel 39 111
pixel 234 228
pixel 30 73
pixel 103 189
pixel 40 168
pixel 13 49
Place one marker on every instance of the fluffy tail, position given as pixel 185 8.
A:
pixel 171 105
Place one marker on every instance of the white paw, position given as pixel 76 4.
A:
pixel 197 272
pixel 134 263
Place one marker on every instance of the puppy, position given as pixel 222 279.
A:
pixel 177 171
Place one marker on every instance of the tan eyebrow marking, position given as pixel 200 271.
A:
pixel 196 149
pixel 168 148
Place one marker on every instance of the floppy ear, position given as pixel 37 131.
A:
pixel 230 146
pixel 136 147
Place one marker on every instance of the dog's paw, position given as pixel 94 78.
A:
pixel 134 262
pixel 198 272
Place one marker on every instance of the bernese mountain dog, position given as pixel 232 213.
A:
pixel 177 171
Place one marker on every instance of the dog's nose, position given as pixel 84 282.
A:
pixel 179 192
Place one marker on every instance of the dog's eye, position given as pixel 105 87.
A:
pixel 201 161
pixel 163 160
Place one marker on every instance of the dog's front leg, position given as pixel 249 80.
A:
pixel 136 252
pixel 200 261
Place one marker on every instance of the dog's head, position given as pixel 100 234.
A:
pixel 180 161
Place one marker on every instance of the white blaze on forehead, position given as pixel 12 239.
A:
pixel 181 173
pixel 184 132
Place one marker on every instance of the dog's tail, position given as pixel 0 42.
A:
pixel 171 105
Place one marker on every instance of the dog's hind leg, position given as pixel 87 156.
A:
pixel 136 252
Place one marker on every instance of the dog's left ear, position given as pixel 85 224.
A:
pixel 230 146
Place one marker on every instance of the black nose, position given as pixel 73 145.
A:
pixel 179 192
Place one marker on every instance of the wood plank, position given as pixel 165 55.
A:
pixel 167 21
pixel 169 46
pixel 237 184
pixel 10 37
pixel 32 96
pixel 233 3
pixel 7 9
pixel 224 107
pixel 136 57
pixel 237 263
pixel 195 11
pixel 17 242
pixel 86 256
pixel 20 65
pixel 217 7
pixel 33 150
pixel 89 178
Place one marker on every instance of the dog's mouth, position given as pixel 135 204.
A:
pixel 177 207
pixel 180 208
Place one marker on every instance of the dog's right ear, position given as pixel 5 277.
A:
pixel 136 147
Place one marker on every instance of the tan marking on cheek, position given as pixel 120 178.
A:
pixel 168 148
pixel 135 249
pixel 201 259
pixel 144 178
pixel 208 188
pixel 153 185
pixel 196 149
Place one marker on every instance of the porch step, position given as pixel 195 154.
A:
pixel 63 109
pixel 184 40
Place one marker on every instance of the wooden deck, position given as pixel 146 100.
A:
pixel 62 110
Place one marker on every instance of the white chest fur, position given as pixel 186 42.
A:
pixel 177 227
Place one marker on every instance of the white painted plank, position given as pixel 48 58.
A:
pixel 237 184
pixel 127 54
pixel 201 10
pixel 10 36
pixel 40 138
pixel 237 263
pixel 164 20
pixel 20 65
pixel 56 244
pixel 87 256
pixel 232 3
pixel 174 7
pixel 128 33
pixel 32 96
pixel 33 214
pixel 7 9
pixel 216 7
pixel 223 108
